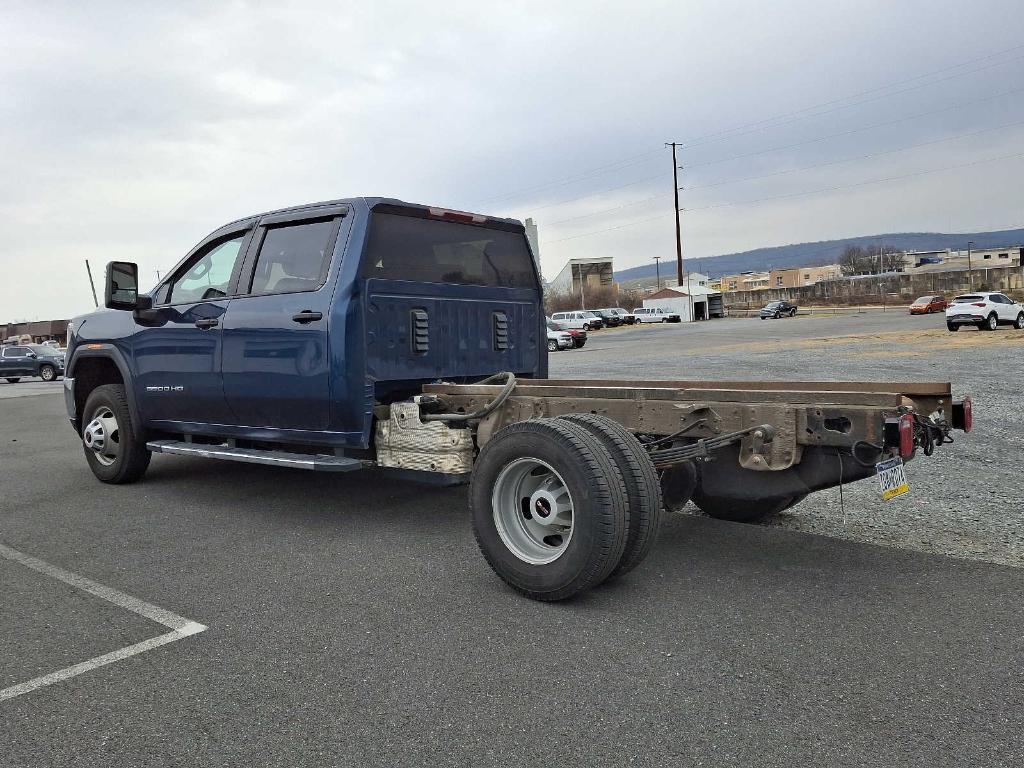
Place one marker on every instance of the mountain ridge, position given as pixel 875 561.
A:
pixel 812 254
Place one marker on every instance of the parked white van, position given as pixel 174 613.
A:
pixel 580 320
pixel 655 315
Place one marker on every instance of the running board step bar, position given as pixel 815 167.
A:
pixel 318 462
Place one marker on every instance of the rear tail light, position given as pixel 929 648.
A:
pixel 963 415
pixel 978 304
pixel 906 435
pixel 899 434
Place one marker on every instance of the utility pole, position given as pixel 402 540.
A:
pixel 679 237
pixel 657 271
pixel 91 285
pixel 970 271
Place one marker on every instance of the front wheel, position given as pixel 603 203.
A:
pixel 1019 325
pixel 114 450
pixel 549 508
pixel 552 346
pixel 586 326
pixel 47 372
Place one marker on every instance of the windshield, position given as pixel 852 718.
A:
pixel 967 299
pixel 923 300
pixel 432 251
pixel 774 304
pixel 39 349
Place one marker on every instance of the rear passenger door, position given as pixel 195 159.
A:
pixel 276 364
pixel 14 361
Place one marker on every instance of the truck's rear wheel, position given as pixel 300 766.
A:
pixel 643 489
pixel 742 511
pixel 115 452
pixel 549 508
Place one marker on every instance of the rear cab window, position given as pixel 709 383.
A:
pixel 425 250
pixel 967 299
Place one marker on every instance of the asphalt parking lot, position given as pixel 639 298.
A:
pixel 352 622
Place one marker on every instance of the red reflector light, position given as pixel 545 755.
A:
pixel 906 435
pixel 963 415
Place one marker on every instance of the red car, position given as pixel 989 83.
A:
pixel 579 338
pixel 928 304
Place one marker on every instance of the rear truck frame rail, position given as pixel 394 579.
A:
pixel 558 459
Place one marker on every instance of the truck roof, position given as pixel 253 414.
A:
pixel 380 202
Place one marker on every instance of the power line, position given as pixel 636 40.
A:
pixel 601 213
pixel 787 171
pixel 790 195
pixel 618 165
pixel 701 139
pixel 858 184
pixel 852 159
pixel 608 229
pixel 771 122
pixel 534 208
pixel 853 130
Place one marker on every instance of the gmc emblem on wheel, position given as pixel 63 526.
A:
pixel 177 388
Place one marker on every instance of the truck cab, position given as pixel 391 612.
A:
pixel 289 327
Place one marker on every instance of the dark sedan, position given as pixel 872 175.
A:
pixel 777 309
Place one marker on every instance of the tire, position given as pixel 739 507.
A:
pixel 742 512
pixel 115 452
pixel 1019 324
pixel 552 346
pixel 576 466
pixel 763 317
pixel 14 380
pixel 586 327
pixel 47 372
pixel 792 313
pixel 580 344
pixel 952 327
pixel 990 323
pixel 643 488
pixel 778 315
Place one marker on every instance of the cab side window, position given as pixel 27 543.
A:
pixel 209 277
pixel 293 258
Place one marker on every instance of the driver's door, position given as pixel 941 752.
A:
pixel 178 347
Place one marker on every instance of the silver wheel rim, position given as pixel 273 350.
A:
pixel 992 322
pixel 102 436
pixel 47 373
pixel 533 511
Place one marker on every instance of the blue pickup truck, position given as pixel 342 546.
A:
pixel 378 335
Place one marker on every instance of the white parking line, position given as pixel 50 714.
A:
pixel 179 625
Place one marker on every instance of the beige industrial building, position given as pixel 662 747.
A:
pixel 798 276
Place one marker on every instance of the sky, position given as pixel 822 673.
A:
pixel 129 131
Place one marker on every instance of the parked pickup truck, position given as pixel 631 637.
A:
pixel 377 335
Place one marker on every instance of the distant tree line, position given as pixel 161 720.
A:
pixel 858 260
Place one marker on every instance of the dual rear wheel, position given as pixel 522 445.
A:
pixel 562 505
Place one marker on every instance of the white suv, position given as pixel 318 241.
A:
pixel 655 315
pixel 985 310
pixel 580 320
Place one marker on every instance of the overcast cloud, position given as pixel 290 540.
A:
pixel 129 131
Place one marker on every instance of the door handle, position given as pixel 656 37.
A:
pixel 207 322
pixel 307 317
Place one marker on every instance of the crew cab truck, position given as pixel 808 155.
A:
pixel 377 335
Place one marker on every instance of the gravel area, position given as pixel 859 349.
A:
pixel 966 501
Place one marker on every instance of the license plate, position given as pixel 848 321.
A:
pixel 891 478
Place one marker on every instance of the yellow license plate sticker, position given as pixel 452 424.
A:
pixel 892 479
